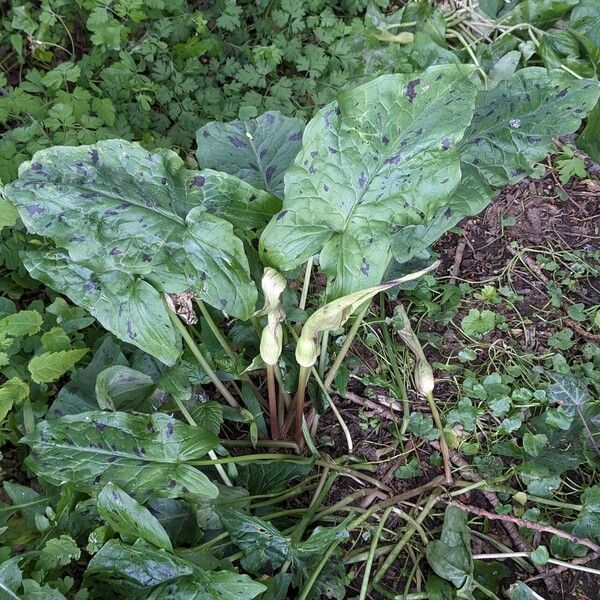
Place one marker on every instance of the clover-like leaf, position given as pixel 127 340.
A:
pixel 131 225
pixel 375 168
pixel 258 150
pixel 145 455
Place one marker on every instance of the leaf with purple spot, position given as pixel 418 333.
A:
pixel 139 225
pixel 380 159
pixel 132 451
pixel 259 150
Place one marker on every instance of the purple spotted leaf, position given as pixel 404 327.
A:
pixel 511 131
pixel 258 150
pixel 145 455
pixel 515 122
pixel 378 162
pixel 129 518
pixel 132 225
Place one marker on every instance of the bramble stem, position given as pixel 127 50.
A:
pixel 211 453
pixel 201 360
pixel 337 363
pixel 303 377
pixel 272 402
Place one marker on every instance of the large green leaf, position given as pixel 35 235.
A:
pixel 586 525
pixel 158 575
pixel 132 568
pixel 266 548
pixel 129 518
pixel 450 556
pixel 512 129
pixel 258 150
pixel 514 123
pixel 122 388
pixel 143 454
pixel 209 585
pixel 539 12
pixel 135 224
pixel 378 162
pixel 127 306
pixel 586 19
pixel 589 140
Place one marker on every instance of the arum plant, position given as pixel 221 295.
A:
pixel 333 316
pixel 375 178
pixel 271 341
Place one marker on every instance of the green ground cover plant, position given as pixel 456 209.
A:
pixel 166 418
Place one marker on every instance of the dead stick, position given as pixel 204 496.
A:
pixel 481 512
pixel 510 528
pixel 460 252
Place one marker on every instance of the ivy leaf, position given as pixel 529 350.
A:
pixel 129 518
pixel 50 366
pixel 521 591
pixel 573 397
pixel 134 225
pixel 450 556
pixel 372 177
pixel 258 150
pixel 409 470
pixel 569 392
pixel 143 455
pixel 533 444
pixel 540 556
